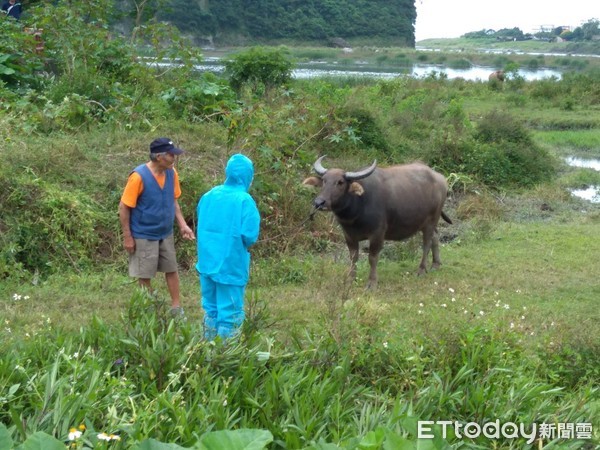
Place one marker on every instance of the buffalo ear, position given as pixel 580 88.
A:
pixel 356 189
pixel 313 181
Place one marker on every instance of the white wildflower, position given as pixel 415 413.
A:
pixel 74 434
pixel 103 437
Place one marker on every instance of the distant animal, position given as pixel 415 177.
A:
pixel 496 76
pixel 379 204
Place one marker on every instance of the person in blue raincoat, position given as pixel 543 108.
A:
pixel 228 225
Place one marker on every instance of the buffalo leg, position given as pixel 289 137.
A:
pixel 374 250
pixel 353 248
pixel 428 236
pixel 435 249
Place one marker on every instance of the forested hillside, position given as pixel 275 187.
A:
pixel 306 20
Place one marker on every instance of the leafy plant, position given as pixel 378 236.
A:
pixel 259 68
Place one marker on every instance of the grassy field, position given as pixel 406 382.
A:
pixel 535 277
pixel 516 296
pixel 508 328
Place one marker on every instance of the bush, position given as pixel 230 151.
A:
pixel 498 152
pixel 50 228
pixel 259 67
pixel 200 97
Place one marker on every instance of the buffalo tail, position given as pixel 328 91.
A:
pixel 446 218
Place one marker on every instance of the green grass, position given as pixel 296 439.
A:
pixel 583 143
pixel 546 268
pixel 508 328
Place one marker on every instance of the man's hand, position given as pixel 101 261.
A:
pixel 187 233
pixel 129 244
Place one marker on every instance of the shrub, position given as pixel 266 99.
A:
pixel 258 67
pixel 498 126
pixel 51 228
pixel 460 64
pixel 18 60
pixel 507 155
pixel 367 129
pixel 197 98
pixel 498 152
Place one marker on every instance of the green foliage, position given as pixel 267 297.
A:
pixel 582 33
pixel 501 127
pixel 199 98
pixel 498 151
pixel 366 129
pixel 154 383
pixel 462 63
pixel 260 68
pixel 314 20
pixel 19 61
pixel 48 225
pixel 243 439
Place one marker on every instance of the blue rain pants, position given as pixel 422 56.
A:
pixel 223 306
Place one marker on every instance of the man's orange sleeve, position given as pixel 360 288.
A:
pixel 133 190
pixel 177 185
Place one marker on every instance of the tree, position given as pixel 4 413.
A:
pixel 590 29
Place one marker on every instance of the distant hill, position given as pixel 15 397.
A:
pixel 319 21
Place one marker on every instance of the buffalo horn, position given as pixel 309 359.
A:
pixel 354 176
pixel 319 167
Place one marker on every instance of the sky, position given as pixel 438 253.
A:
pixel 453 18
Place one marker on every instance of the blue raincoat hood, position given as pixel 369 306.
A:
pixel 239 171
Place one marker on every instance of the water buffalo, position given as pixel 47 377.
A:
pixel 497 76
pixel 381 204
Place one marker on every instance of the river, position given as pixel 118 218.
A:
pixel 318 69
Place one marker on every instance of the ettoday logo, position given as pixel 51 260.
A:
pixel 508 430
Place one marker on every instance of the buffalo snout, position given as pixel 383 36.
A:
pixel 320 203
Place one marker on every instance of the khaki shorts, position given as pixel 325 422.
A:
pixel 151 257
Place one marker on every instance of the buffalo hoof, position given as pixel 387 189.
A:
pixel 371 286
pixel 421 271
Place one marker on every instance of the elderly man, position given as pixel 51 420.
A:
pixel 147 210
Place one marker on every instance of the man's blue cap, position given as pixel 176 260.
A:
pixel 164 145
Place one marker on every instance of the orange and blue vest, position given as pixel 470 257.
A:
pixel 154 214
